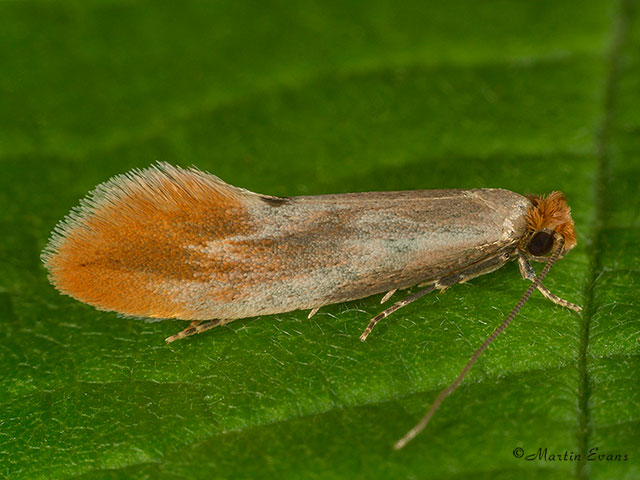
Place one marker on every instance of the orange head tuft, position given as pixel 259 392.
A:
pixel 550 214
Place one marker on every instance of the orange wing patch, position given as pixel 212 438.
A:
pixel 132 232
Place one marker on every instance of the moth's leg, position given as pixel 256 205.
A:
pixel 197 326
pixel 528 273
pixel 393 308
pixel 313 312
pixel 473 271
pixel 388 295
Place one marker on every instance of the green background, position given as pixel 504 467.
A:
pixel 306 98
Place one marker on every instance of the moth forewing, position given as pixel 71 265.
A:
pixel 172 243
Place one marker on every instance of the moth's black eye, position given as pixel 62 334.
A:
pixel 541 244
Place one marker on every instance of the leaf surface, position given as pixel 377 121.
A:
pixel 314 98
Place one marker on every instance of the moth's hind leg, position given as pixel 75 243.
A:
pixel 197 326
pixel 528 273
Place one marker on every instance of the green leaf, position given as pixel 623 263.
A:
pixel 311 98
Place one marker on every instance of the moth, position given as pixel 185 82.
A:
pixel 168 242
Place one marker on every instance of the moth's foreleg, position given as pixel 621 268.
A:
pixel 197 326
pixel 528 273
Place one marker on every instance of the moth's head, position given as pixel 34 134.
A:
pixel 548 219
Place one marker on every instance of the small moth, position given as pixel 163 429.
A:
pixel 168 242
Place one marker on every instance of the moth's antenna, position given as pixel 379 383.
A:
pixel 443 394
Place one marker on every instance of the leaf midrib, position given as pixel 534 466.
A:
pixel 619 36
